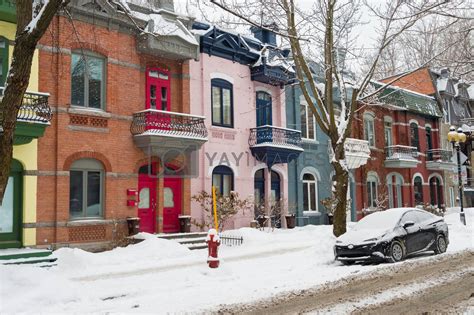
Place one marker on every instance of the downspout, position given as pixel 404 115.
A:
pixel 203 113
pixel 56 149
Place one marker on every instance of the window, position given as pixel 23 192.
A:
pixel 423 216
pixel 3 60
pixel 222 103
pixel 369 129
pixel 436 192
pixel 308 122
pixel 372 191
pixel 429 138
pixel 264 109
pixel 87 80
pixel 223 180
pixel 86 189
pixel 310 193
pixel 418 190
pixel 388 133
pixel 410 216
pixel 414 137
pixel 447 111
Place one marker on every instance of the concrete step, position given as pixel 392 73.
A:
pixel 25 256
pixel 196 240
pixel 173 236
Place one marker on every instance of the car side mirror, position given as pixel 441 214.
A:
pixel 408 224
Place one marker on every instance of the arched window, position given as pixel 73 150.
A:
pixel 86 189
pixel 372 193
pixel 418 190
pixel 436 192
pixel 369 129
pixel 222 103
pixel 3 59
pixel 223 180
pixel 88 80
pixel 414 136
pixel 387 124
pixel 310 192
pixel 394 186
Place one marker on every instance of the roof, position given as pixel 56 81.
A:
pixel 418 81
pixel 410 101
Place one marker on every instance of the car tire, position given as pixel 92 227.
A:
pixel 397 252
pixel 440 244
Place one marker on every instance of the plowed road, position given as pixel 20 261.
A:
pixel 439 284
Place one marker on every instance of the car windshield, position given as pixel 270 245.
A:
pixel 379 220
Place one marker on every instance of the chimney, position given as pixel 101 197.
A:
pixel 444 72
pixel 264 34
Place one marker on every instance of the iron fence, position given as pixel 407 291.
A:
pixel 229 240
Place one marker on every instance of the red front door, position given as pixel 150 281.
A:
pixel 147 202
pixel 171 204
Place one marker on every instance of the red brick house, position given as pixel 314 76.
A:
pixel 406 164
pixel 119 93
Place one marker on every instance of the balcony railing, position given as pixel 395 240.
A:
pixel 152 121
pixel 34 107
pixel 439 155
pixel 396 152
pixel 276 136
pixel 357 152
pixel 467 121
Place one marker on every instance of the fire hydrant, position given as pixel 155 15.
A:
pixel 213 243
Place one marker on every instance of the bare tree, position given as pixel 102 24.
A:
pixel 325 30
pixel 33 18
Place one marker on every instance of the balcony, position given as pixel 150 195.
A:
pixel 162 133
pixel 274 145
pixel 33 117
pixel 440 160
pixel 271 75
pixel 357 152
pixel 401 156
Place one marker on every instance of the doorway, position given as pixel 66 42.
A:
pixel 11 209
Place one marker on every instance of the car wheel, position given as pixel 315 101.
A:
pixel 397 252
pixel 440 244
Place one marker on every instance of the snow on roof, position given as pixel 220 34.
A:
pixel 168 27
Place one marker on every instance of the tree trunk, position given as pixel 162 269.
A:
pixel 340 185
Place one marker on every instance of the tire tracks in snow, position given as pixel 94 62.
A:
pixel 408 276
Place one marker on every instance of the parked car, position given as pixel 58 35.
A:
pixel 392 235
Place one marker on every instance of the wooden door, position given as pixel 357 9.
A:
pixel 172 196
pixel 147 202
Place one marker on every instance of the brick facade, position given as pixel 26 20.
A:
pixel 77 133
pixel 400 136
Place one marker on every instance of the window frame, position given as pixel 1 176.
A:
pixel 4 55
pixel 89 54
pixel 222 170
pixel 306 123
pixel 369 119
pixel 415 135
pixel 81 166
pixel 308 183
pixel 388 125
pixel 222 84
pixel 418 180
pixel 371 198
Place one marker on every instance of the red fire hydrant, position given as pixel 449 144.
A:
pixel 213 242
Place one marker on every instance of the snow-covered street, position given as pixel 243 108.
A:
pixel 160 276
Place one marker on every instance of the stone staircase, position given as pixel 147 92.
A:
pixel 195 240
pixel 13 256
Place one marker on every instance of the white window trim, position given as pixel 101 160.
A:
pixel 315 139
pixel 372 178
pixel 315 182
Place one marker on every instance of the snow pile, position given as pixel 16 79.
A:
pixel 162 276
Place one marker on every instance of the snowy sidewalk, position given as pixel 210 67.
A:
pixel 160 276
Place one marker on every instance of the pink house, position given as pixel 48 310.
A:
pixel 237 86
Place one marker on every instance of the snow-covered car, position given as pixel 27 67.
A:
pixel 391 235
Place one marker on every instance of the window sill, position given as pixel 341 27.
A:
pixel 87 221
pixel 311 213
pixel 309 141
pixel 221 128
pixel 79 110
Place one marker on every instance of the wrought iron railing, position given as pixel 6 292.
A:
pixel 34 107
pixel 439 155
pixel 230 240
pixel 274 135
pixel 467 121
pixel 396 152
pixel 160 122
